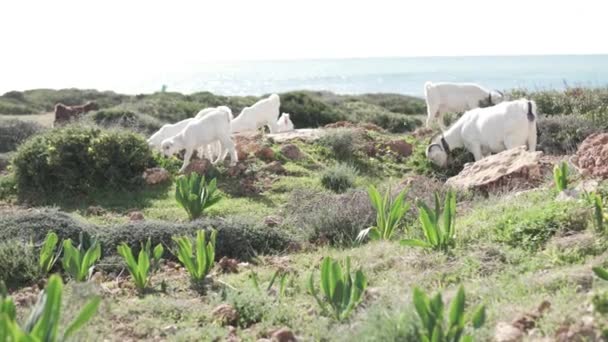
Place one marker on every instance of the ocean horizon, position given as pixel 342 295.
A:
pixel 403 75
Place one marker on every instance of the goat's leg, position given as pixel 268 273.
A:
pixel 187 157
pixel 273 127
pixel 476 150
pixel 532 137
pixel 229 146
pixel 510 143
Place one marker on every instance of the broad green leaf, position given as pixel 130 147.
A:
pixel 479 317
pixel 83 317
pixel 457 308
pixel 600 272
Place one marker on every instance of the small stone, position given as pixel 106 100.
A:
pixel 272 221
pixel 199 166
pixel 265 153
pixel 506 332
pixel 136 216
pixel 226 314
pixel 283 335
pixel 156 175
pixel 228 265
pixel 276 168
pixel 291 151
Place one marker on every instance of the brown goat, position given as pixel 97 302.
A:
pixel 65 113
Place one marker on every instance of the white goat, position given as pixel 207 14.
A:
pixel 263 112
pixel 284 124
pixel 206 111
pixel 212 150
pixel 167 131
pixel 447 97
pixel 212 127
pixel 483 131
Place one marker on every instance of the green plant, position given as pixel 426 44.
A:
pixel 195 195
pixel 560 176
pixel 79 263
pixel 14 132
pixel 438 231
pixel 600 273
pixel 342 143
pixel 19 263
pixel 433 317
pixel 155 254
pixel 199 263
pixel 49 253
pixel 342 291
pixel 282 275
pixel 339 177
pixel 598 211
pixel 140 269
pixel 43 322
pixel 389 214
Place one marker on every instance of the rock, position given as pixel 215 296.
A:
pixel 225 314
pixel 505 332
pixel 228 265
pixel 95 210
pixel 291 151
pixel 276 168
pixel 579 241
pixel 237 170
pixel 265 153
pixel 200 166
pixel 515 169
pixel 567 195
pixel 306 135
pixel 283 335
pixel 136 216
pixel 272 221
pixel 400 147
pixel 156 175
pixel 592 156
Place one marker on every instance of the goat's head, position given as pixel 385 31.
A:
pixel 285 124
pixel 437 155
pixel 168 147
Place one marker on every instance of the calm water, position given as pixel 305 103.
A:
pixel 395 75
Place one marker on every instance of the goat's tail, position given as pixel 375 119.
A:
pixel 427 86
pixel 531 111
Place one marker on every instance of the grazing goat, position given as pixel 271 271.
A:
pixel 65 113
pixel 447 97
pixel 167 131
pixel 263 112
pixel 284 123
pixel 483 131
pixel 201 132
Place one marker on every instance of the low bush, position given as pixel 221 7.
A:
pixel 573 100
pixel 359 111
pixel 531 227
pixel 109 118
pixel 34 225
pixel 342 142
pixel 18 263
pixel 308 111
pixel 561 134
pixel 396 103
pixel 8 187
pixel 339 177
pixel 237 237
pixel 79 160
pixel 337 219
pixel 14 132
pixel 252 306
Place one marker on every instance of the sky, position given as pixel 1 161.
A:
pixel 62 43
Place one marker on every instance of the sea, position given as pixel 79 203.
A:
pixel 383 75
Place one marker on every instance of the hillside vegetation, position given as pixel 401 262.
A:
pixel 524 256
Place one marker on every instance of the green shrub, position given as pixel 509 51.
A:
pixel 79 159
pixel 18 263
pixel 45 99
pixel 389 214
pixel 308 111
pixel 34 225
pixel 438 225
pixel 437 324
pixel 562 134
pixel 253 307
pixel 339 177
pixel 341 291
pixel 359 111
pixel 195 195
pixel 336 219
pixel 396 103
pixel 531 227
pixel 12 108
pixel 237 237
pixel 342 142
pixel 198 257
pixel 43 323
pixel 14 132
pixel 384 323
pixel 8 187
pixel 143 123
